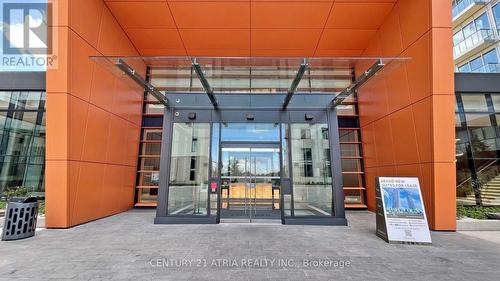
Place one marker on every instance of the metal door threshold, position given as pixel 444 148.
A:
pixel 254 221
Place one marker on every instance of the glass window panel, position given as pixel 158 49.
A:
pixel 458 122
pixel 474 102
pixel 213 204
pixel 285 132
pixel 462 135
pixel 328 85
pixel 476 64
pixel 458 37
pixel 495 98
pixel 150 163
pixel 496 14
pixel 464 68
pixel 148 195
pixel 353 196
pixel 250 132
pixel 152 134
pixel 215 149
pixel 22 136
pixel 151 148
pixel 12 171
pixel 287 204
pixel 25 100
pixel 478 120
pixel 483 135
pixel 352 180
pixel 34 176
pixel 172 82
pixel 351 165
pixel 349 150
pixel 312 181
pixel 5 99
pixel 348 136
pixel 464 187
pixel 149 178
pixel 491 57
pixel 178 70
pixel 488 171
pixel 469 29
pixel 188 184
pixel 346 109
pixel 482 22
pixel 152 108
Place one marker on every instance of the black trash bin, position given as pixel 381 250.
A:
pixel 20 218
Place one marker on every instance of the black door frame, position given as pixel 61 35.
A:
pixel 191 113
pixel 247 144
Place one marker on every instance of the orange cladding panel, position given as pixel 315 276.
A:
pixel 93 119
pixel 407 114
pixel 227 27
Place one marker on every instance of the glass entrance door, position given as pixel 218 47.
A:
pixel 250 182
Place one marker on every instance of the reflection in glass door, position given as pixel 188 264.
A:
pixel 250 183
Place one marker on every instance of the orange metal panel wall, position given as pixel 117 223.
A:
pixel 407 118
pixel 250 28
pixel 93 119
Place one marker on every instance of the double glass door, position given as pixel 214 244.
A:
pixel 250 182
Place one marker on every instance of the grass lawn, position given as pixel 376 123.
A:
pixel 475 211
pixel 3 205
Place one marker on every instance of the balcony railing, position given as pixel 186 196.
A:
pixel 464 5
pixel 470 42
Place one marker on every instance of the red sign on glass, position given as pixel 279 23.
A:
pixel 213 186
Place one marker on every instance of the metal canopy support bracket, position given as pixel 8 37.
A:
pixel 360 81
pixel 204 83
pixel 141 81
pixel 295 83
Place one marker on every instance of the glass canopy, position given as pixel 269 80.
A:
pixel 254 75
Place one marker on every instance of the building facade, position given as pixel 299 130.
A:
pixel 96 131
pixel 476 36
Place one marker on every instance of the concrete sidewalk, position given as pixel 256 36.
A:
pixel 129 247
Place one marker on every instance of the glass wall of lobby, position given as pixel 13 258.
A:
pixel 237 80
pixel 256 171
pixel 22 141
pixel 478 148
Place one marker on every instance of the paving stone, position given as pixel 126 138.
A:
pixel 129 246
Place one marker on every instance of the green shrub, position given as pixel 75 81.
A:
pixel 41 207
pixel 475 212
pixel 17 191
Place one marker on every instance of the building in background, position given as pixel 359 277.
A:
pixel 476 36
pixel 476 51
